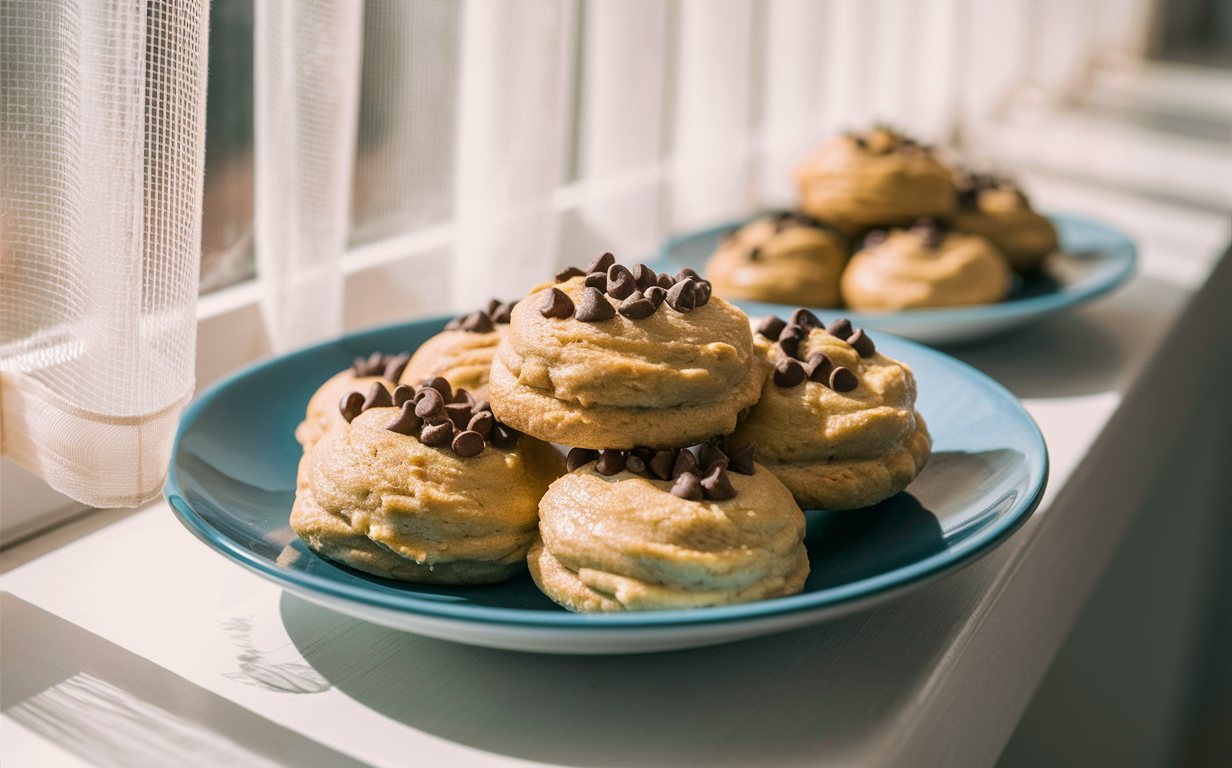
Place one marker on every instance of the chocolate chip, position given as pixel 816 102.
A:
pixel 642 453
pixel 481 423
pixel 594 307
pixel 645 277
pixel 460 395
pixel 742 460
pixel 686 273
pixel 620 282
pixel 683 296
pixel 378 397
pixel 477 322
pixel 396 365
pixel 685 462
pixel 819 367
pixel 843 380
pixel 665 281
pixel 788 372
pixel 601 264
pixel 805 319
pixel 753 254
pixel 370 366
pixel 929 233
pixel 459 414
pixel 556 304
pixel 403 393
pixel 688 487
pixel 493 305
pixel 712 455
pixel 580 457
pixel 407 422
pixel 610 462
pixel 661 464
pixel 437 432
pixel 636 465
pixel 503 313
pixel 840 328
pixel 504 436
pixel 656 295
pixel 790 338
pixel 717 485
pixel 481 406
pixel 467 444
pixel 596 280
pixel 568 273
pixel 701 291
pixel 771 327
pixel 428 403
pixel 862 344
pixel 637 306
pixel 351 405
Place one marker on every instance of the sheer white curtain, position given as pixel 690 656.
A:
pixel 101 158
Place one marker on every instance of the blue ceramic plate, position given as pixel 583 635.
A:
pixel 1094 260
pixel 232 483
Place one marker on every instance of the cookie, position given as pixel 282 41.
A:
pixel 994 207
pixel 323 413
pixel 836 422
pixel 924 266
pixel 462 353
pixel 628 541
pixel 787 258
pixel 419 499
pixel 611 364
pixel 880 178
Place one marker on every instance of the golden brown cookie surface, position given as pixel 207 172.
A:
pixel 925 267
pixel 879 178
pixel 996 208
pixel 837 444
pixel 625 542
pixel 785 258
pixel 662 379
pixel 387 504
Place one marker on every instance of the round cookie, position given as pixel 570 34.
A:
pixel 881 178
pixel 787 258
pixel 383 501
pixel 924 267
pixel 995 207
pixel 462 353
pixel 623 541
pixel 323 413
pixel 613 365
pixel 836 422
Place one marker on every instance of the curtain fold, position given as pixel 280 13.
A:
pixel 102 125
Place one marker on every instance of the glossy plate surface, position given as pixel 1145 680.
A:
pixel 1095 259
pixel 232 483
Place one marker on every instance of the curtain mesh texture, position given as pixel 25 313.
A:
pixel 101 158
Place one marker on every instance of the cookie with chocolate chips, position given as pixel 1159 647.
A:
pixel 841 430
pixel 651 530
pixel 994 207
pixel 876 178
pixel 660 367
pixel 462 353
pixel 401 491
pixel 785 258
pixel 925 266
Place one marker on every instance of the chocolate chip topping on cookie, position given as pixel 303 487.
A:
pixel 480 321
pixel 790 371
pixel 556 304
pixel 594 307
pixel 640 291
pixel 377 364
pixel 691 480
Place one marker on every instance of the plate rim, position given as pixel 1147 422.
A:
pixel 1126 265
pixel 880 586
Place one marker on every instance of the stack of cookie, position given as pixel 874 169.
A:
pixel 924 235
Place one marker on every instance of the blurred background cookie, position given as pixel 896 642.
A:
pixel 875 179
pixel 786 258
pixel 995 207
pixel 924 266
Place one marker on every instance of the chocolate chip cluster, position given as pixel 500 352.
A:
pixel 640 291
pixel 437 415
pixel 694 480
pixel 931 234
pixel 483 321
pixel 884 139
pixel 377 364
pixel 791 370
